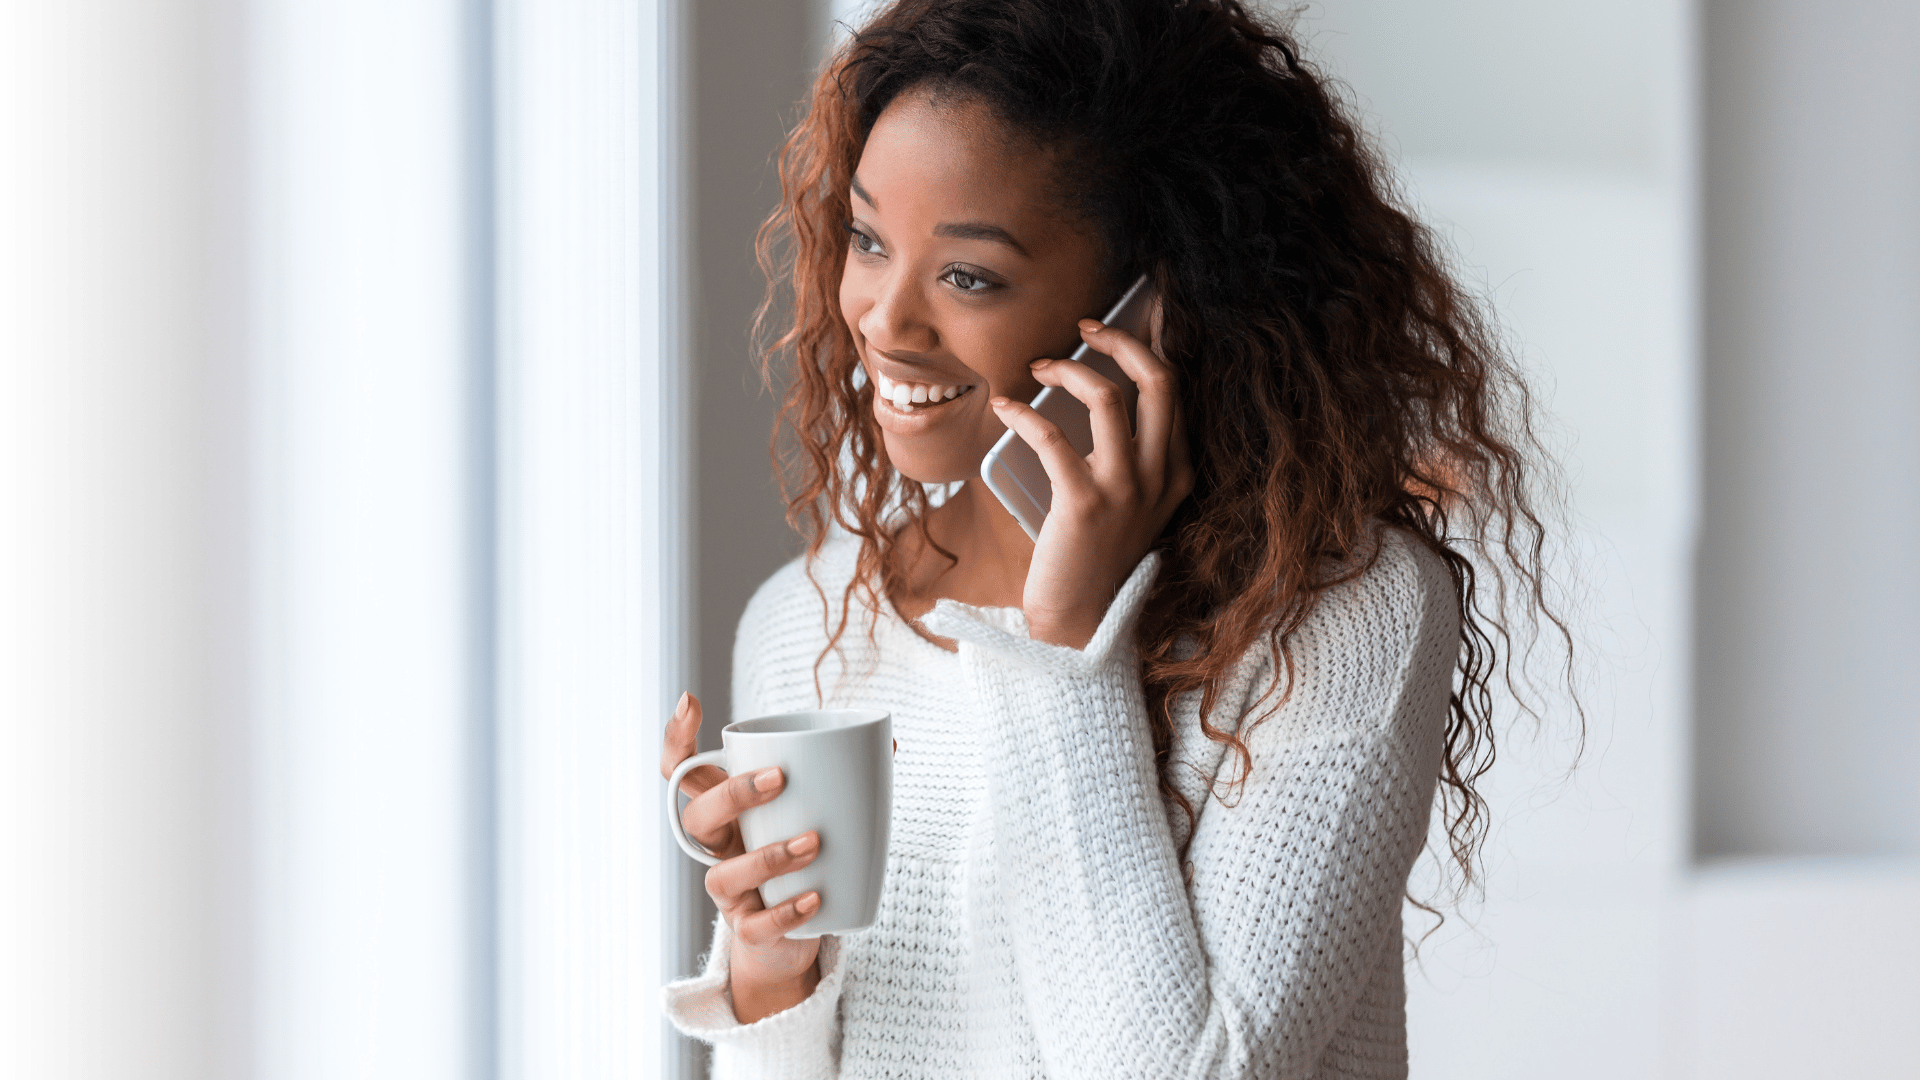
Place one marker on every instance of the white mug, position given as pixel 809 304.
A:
pixel 839 769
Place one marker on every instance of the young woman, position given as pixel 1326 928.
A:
pixel 1162 774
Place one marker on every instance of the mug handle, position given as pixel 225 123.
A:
pixel 717 758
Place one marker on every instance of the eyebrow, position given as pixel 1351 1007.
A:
pixel 956 230
pixel 974 230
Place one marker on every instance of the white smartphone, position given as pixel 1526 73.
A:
pixel 1012 470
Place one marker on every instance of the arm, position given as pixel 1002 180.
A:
pixel 1297 885
pixel 796 1036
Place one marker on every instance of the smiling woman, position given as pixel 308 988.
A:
pixel 943 297
pixel 939 289
pixel 1164 769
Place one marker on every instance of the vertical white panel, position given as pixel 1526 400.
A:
pixel 1809 728
pixel 593 515
pixel 1803 943
pixel 364 366
pixel 118 477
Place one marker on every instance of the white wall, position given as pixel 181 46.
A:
pixel 1809 737
pixel 1801 936
pixel 119 501
pixel 1800 967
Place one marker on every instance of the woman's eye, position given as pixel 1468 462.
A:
pixel 862 243
pixel 966 282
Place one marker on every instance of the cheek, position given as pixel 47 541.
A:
pixel 1000 356
pixel 854 302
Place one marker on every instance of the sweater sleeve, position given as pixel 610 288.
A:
pixel 1298 876
pixel 795 1044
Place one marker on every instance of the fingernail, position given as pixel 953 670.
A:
pixel 1091 326
pixel 1040 363
pixel 680 706
pixel 767 780
pixel 807 904
pixel 803 845
pixel 999 402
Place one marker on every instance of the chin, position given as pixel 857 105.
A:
pixel 935 446
pixel 931 464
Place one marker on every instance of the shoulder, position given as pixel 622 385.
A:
pixel 786 626
pixel 1398 619
pixel 805 589
pixel 1406 596
pixel 1401 596
pixel 799 602
pixel 1384 635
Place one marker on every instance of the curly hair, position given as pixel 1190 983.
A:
pixel 1333 376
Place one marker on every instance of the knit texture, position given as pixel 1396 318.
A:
pixel 1036 920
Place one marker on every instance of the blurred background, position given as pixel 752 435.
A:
pixel 381 454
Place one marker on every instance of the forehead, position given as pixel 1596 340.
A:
pixel 955 161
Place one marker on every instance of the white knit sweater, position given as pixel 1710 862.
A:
pixel 1035 921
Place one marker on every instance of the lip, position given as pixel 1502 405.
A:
pixel 908 371
pixel 920 419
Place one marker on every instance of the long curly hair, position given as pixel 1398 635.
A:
pixel 1333 375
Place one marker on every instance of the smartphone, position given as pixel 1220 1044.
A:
pixel 1012 470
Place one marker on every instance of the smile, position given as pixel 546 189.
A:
pixel 911 397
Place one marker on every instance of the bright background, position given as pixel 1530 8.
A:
pixel 380 454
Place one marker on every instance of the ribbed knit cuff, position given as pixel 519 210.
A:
pixel 1112 641
pixel 796 1044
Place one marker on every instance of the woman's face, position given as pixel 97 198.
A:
pixel 961 271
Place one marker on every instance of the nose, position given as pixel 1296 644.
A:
pixel 899 319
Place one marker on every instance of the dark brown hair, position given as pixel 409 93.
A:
pixel 1334 377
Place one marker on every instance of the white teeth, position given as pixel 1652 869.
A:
pixel 906 395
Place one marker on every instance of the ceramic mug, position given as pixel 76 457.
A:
pixel 839 769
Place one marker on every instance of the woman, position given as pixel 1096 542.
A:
pixel 1162 774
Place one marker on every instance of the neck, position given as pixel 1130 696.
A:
pixel 993 552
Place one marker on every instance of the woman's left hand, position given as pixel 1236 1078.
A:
pixel 1108 507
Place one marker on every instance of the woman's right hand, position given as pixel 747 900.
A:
pixel 770 971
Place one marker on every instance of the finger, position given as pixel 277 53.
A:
pixel 1179 461
pixel 742 875
pixel 1156 320
pixel 1106 406
pixel 711 813
pixel 682 741
pixel 770 925
pixel 1179 458
pixel 1157 410
pixel 1156 344
pixel 734 906
pixel 1065 467
pixel 681 735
